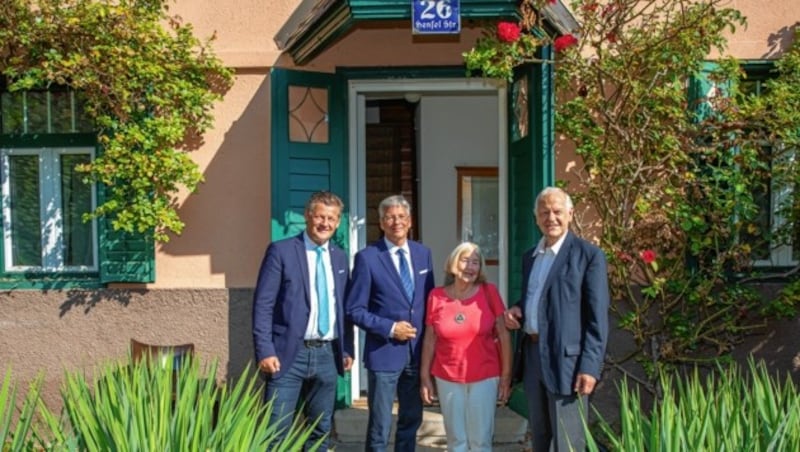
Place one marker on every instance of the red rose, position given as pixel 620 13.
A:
pixel 562 42
pixel 611 37
pixel 648 256
pixel 508 32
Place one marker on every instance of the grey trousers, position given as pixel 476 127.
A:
pixel 555 420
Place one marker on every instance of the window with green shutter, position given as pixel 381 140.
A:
pixel 45 137
pixel 770 245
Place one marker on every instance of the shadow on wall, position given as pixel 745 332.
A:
pixel 89 299
pixel 240 333
pixel 780 41
pixel 227 219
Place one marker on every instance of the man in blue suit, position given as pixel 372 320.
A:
pixel 564 316
pixel 386 298
pixel 301 338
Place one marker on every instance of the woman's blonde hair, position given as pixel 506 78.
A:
pixel 462 249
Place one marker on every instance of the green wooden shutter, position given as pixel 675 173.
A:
pixel 531 160
pixel 124 256
pixel 303 165
pixel 702 87
pixel 531 167
pixel 304 162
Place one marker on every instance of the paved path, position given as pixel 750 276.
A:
pixel 351 425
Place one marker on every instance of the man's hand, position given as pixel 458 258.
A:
pixel 270 365
pixel 348 363
pixel 404 331
pixel 512 317
pixel 584 384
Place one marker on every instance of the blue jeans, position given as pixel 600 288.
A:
pixel 381 394
pixel 311 376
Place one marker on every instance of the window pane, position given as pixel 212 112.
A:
pixel 12 113
pixel 76 199
pixel 83 124
pixel 37 112
pixel 760 244
pixel 61 109
pixel 26 229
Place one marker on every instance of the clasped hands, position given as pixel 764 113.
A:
pixel 404 331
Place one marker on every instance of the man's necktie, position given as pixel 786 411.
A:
pixel 405 275
pixel 323 318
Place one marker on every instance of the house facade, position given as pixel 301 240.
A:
pixel 340 95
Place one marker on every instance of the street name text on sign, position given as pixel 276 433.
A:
pixel 435 16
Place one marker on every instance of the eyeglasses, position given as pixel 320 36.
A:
pixel 396 218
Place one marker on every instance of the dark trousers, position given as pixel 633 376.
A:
pixel 312 376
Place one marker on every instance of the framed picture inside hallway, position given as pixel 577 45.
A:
pixel 477 202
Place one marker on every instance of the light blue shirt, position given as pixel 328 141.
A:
pixel 312 329
pixel 543 258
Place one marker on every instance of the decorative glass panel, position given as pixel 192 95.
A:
pixel 478 196
pixel 26 229
pixel 76 200
pixel 13 112
pixel 308 114
pixel 520 125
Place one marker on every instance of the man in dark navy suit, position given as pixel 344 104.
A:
pixel 301 338
pixel 386 298
pixel 563 313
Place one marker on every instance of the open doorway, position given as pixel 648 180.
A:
pixel 391 159
pixel 411 137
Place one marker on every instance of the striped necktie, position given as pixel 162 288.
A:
pixel 405 275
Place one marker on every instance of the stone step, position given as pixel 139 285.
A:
pixel 351 427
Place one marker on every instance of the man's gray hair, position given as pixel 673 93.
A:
pixel 548 191
pixel 393 201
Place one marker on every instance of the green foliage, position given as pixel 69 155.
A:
pixel 146 81
pixel 148 406
pixel 673 177
pixel 730 410
pixel 668 177
pixel 16 426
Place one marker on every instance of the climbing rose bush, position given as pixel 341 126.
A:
pixel 508 32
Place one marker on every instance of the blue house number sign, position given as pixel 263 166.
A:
pixel 435 16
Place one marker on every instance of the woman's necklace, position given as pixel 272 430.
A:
pixel 461 295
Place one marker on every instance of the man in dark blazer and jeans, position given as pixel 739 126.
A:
pixel 386 298
pixel 564 317
pixel 301 338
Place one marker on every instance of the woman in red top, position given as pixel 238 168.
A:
pixel 467 350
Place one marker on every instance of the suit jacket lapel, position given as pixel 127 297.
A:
pixel 302 261
pixel 338 262
pixel 386 258
pixel 561 259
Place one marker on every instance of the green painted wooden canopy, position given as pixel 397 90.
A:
pixel 316 24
